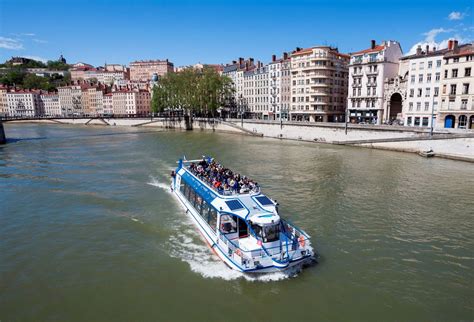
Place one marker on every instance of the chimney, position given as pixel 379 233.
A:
pixel 274 58
pixel 251 61
pixel 285 55
pixel 427 49
pixel 298 49
pixel 418 50
pixel 241 61
pixel 234 62
pixel 246 65
pixel 450 44
pixel 372 44
pixel 455 44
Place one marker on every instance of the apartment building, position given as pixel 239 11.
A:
pixel 368 69
pixel 280 87
pixel 131 102
pixel 146 70
pixel 70 100
pixel 423 86
pixel 3 100
pixel 457 92
pixel 24 103
pixel 235 71
pixel 108 104
pixel 92 99
pixel 318 84
pixel 49 103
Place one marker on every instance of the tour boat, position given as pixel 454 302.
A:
pixel 239 223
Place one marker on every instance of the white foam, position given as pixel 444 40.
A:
pixel 156 183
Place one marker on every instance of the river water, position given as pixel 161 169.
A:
pixel 90 232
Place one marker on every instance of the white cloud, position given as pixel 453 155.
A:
pixel 41 59
pixel 455 15
pixel 28 34
pixel 9 43
pixel 430 40
pixel 40 41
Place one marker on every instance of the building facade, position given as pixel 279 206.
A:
pixel 131 102
pixel 145 70
pixel 50 104
pixel 280 87
pixel 423 71
pixel 24 103
pixel 70 100
pixel 318 84
pixel 457 82
pixel 368 69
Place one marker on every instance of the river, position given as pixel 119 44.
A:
pixel 90 232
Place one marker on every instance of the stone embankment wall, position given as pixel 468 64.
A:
pixel 454 144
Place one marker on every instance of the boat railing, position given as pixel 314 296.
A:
pixel 291 240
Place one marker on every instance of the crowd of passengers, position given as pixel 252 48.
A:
pixel 222 179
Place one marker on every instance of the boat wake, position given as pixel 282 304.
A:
pixel 156 183
pixel 188 246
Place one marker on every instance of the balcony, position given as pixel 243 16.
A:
pixel 373 72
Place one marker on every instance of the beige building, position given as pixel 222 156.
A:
pixel 92 100
pixel 3 100
pixel 70 100
pixel 457 87
pixel 50 104
pixel 131 102
pixel 319 77
pixel 108 104
pixel 146 70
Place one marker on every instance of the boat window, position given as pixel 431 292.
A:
pixel 204 209
pixel 198 203
pixel 242 227
pixel 257 230
pixel 271 233
pixel 212 219
pixel 228 224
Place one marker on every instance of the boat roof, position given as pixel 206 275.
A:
pixel 249 206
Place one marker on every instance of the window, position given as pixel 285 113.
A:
pixel 374 91
pixel 454 73
pixel 418 106
pixel 456 60
pixel 427 106
pixel 465 88
pixel 427 92
pixel 453 90
pixel 420 78
pixel 464 104
pixel 409 119
pixel 462 122
pixel 413 66
pixel 438 63
pixel 437 77
pixel 412 92
pixel 430 64
pixel 436 91
pixel 422 65
pixel 425 121
pixel 467 72
pixel 420 91
pixel 228 224
pixel 417 121
pixel 412 79
pixel 428 78
pixel 446 74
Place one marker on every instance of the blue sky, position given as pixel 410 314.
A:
pixel 208 31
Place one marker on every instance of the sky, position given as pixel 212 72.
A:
pixel 211 31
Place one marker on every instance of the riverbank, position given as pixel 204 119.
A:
pixel 451 144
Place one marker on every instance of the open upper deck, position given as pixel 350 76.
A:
pixel 246 205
